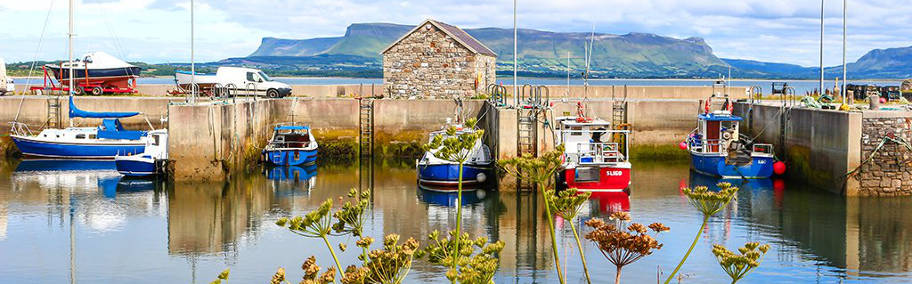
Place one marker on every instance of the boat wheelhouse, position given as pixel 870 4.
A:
pixel 443 175
pixel 595 155
pixel 148 163
pixel 106 141
pixel 291 145
pixel 717 148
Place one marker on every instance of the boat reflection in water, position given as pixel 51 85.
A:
pixel 609 202
pixel 80 175
pixel 290 178
pixel 447 196
pixel 711 182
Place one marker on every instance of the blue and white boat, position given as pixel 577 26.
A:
pixel 434 171
pixel 106 141
pixel 717 148
pixel 150 161
pixel 291 145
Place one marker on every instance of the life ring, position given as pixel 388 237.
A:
pixel 708 103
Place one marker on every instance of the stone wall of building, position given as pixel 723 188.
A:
pixel 889 171
pixel 430 64
pixel 485 72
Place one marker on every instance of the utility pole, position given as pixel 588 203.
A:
pixel 842 89
pixel 821 45
pixel 515 64
pixel 193 85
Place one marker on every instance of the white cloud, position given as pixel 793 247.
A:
pixel 158 30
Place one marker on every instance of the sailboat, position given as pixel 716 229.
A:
pixel 106 141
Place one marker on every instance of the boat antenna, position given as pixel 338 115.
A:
pixel 193 85
pixel 588 51
pixel 515 87
pixel 821 45
pixel 567 94
pixel 842 90
pixel 70 55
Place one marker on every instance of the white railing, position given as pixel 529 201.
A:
pixel 19 128
pixel 599 153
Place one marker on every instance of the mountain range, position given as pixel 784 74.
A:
pixel 545 53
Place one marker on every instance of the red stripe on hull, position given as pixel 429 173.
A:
pixel 610 179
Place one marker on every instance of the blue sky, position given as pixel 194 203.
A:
pixel 158 30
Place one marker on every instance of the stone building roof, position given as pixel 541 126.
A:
pixel 453 31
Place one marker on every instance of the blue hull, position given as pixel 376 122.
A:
pixel 449 173
pixel 444 198
pixel 64 165
pixel 290 157
pixel 135 168
pixel 714 165
pixel 63 150
pixel 292 173
pixel 752 185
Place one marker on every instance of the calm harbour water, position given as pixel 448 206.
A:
pixel 120 230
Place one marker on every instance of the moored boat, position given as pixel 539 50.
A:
pixel 150 161
pixel 444 174
pixel 595 155
pixel 106 141
pixel 717 148
pixel 96 69
pixel 291 145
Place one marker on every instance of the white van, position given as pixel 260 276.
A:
pixel 6 83
pixel 237 80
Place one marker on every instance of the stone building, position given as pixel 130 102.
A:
pixel 437 60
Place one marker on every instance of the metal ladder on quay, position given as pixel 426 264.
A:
pixel 527 124
pixel 619 117
pixel 53 111
pixel 365 127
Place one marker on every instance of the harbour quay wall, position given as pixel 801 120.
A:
pixel 886 168
pixel 819 147
pixel 555 91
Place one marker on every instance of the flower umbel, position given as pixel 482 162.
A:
pixel 737 265
pixel 623 246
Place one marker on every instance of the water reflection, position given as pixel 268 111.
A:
pixel 817 237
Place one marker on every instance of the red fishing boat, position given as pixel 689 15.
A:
pixel 595 155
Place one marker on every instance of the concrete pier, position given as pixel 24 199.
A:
pixel 856 153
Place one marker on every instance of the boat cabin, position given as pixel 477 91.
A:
pixel 714 131
pixel 589 141
pixel 291 136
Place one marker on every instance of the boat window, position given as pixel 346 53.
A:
pixel 91 136
pixel 155 140
pixel 250 77
pixel 80 136
pixel 575 131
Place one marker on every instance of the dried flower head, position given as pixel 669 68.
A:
pixel 738 265
pixel 623 246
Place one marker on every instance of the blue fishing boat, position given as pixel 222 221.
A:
pixel 148 163
pixel 291 145
pixel 106 141
pixel 438 172
pixel 718 149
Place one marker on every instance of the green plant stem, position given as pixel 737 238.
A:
pixel 692 245
pixel 458 216
pixel 560 274
pixel 580 247
pixel 331 251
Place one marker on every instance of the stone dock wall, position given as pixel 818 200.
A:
pixel 887 170
pixel 819 147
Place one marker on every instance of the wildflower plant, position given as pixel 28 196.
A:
pixel 623 245
pixel 456 146
pixel 476 261
pixel 319 223
pixel 223 276
pixel 737 265
pixel 566 204
pixel 540 171
pixel 708 203
pixel 389 264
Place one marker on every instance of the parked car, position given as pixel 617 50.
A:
pixel 234 81
pixel 6 83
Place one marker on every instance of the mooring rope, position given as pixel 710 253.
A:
pixel 877 149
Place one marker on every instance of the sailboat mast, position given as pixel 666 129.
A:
pixel 70 55
pixel 193 85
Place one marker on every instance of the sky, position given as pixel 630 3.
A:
pixel 158 31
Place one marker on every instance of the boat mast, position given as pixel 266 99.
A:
pixel 70 55
pixel 515 87
pixel 193 85
pixel 821 45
